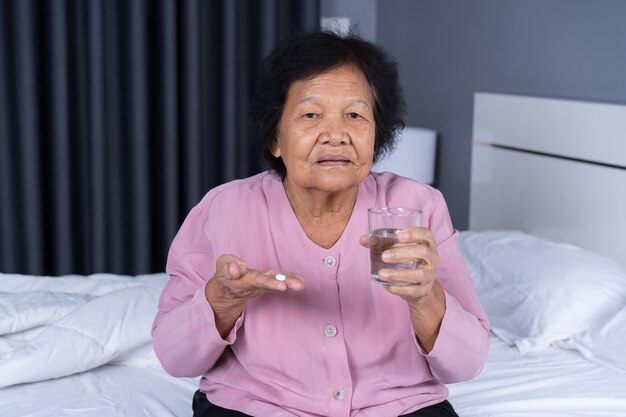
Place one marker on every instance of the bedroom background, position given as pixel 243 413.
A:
pixel 447 51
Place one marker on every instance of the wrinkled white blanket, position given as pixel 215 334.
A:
pixel 56 326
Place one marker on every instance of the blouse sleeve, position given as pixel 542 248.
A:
pixel 184 333
pixel 462 345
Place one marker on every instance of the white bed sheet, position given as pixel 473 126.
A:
pixel 553 383
pixel 106 391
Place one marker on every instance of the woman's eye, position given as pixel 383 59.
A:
pixel 353 115
pixel 310 115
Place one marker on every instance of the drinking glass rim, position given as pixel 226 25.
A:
pixel 394 211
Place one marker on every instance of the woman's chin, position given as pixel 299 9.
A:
pixel 336 183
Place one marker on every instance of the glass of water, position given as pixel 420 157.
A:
pixel 384 225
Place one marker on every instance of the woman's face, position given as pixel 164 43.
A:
pixel 326 131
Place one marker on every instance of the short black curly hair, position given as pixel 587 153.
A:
pixel 309 54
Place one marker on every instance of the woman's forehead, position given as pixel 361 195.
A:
pixel 344 80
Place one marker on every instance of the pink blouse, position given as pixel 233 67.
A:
pixel 343 346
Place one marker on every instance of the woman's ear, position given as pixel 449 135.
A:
pixel 276 149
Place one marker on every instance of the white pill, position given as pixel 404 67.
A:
pixel 280 277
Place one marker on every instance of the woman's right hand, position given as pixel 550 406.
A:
pixel 234 284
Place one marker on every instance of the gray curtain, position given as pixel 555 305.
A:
pixel 116 116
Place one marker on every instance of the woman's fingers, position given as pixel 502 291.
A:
pixel 407 253
pixel 416 245
pixel 230 266
pixel 412 284
pixel 242 282
pixel 420 235
pixel 417 276
pixel 279 281
pixel 294 282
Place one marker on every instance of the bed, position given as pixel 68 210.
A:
pixel 547 253
pixel 555 292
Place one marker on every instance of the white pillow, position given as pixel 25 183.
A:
pixel 536 291
pixel 603 344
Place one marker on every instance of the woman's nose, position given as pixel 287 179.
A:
pixel 334 132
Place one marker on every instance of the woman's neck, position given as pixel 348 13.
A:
pixel 322 215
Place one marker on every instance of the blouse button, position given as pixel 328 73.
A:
pixel 329 261
pixel 330 330
pixel 339 394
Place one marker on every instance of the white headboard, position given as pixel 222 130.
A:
pixel 551 168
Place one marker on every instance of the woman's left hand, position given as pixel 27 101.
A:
pixel 418 245
pixel 424 295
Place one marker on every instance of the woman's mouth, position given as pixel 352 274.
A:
pixel 333 161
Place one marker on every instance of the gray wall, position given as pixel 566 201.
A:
pixel 362 14
pixel 450 49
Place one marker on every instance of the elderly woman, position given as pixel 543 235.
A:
pixel 270 298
